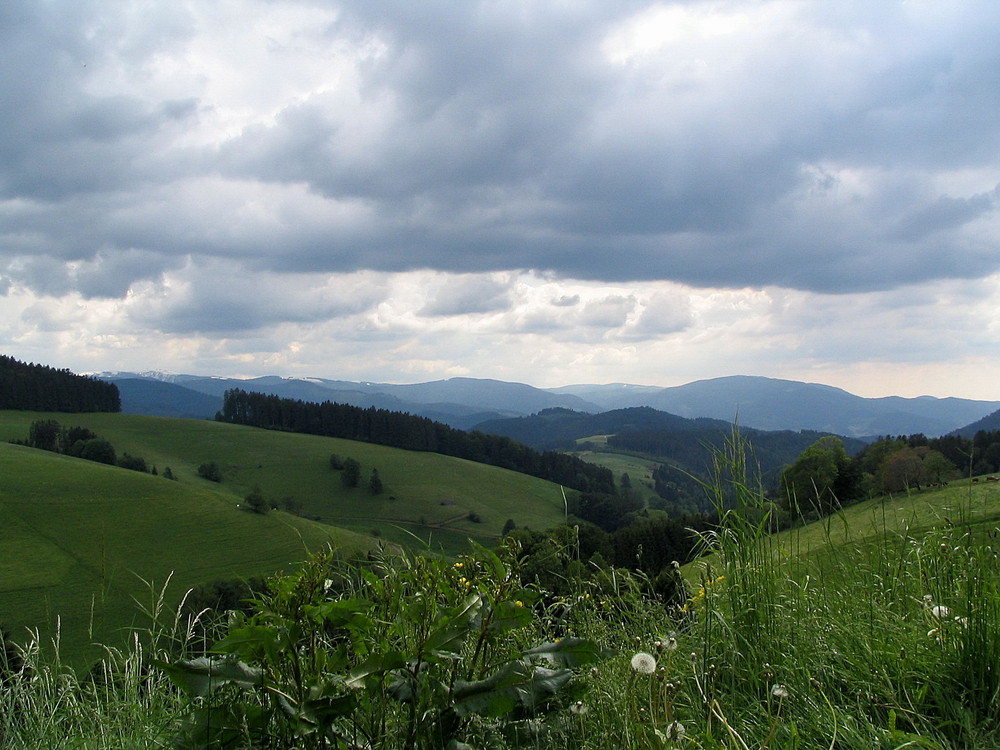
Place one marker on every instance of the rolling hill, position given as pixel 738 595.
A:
pixel 774 404
pixel 76 535
pixel 79 538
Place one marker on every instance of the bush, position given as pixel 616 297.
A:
pixel 256 503
pixel 350 475
pixel 99 450
pixel 135 463
pixel 210 471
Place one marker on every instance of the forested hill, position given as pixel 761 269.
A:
pixel 690 443
pixel 399 430
pixel 31 387
pixel 559 429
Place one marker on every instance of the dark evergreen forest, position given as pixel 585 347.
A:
pixel 31 387
pixel 400 430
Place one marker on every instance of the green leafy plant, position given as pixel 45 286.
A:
pixel 408 652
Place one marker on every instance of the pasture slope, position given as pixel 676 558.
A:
pixel 79 538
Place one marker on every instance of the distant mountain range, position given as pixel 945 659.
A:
pixel 757 402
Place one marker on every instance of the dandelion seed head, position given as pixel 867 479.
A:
pixel 940 611
pixel 675 731
pixel 779 691
pixel 644 663
pixel 579 708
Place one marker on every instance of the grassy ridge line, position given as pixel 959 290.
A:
pixel 79 538
pixel 915 513
pixel 75 535
pixel 420 489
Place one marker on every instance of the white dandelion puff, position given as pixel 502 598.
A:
pixel 579 708
pixel 644 663
pixel 779 691
pixel 940 611
pixel 675 731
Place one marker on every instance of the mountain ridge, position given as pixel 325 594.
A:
pixel 752 401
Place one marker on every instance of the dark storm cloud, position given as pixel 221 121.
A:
pixel 491 136
pixel 461 296
pixel 215 299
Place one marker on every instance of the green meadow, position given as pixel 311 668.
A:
pixel 878 627
pixel 82 540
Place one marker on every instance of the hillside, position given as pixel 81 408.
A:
pixel 683 442
pixel 990 422
pixel 160 399
pixel 560 428
pixel 771 404
pixel 79 532
pixel 426 493
pixel 79 538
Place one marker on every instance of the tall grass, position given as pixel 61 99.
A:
pixel 886 642
pixel 891 643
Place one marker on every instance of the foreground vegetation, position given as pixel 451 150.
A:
pixel 886 640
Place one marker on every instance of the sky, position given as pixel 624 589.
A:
pixel 541 191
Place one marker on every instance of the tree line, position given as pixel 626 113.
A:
pixel 825 477
pixel 31 387
pixel 401 430
pixel 80 442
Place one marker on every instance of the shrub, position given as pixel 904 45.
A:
pixel 99 450
pixel 256 503
pixel 135 463
pixel 210 471
pixel 351 473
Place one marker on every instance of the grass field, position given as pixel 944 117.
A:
pixel 876 628
pixel 78 538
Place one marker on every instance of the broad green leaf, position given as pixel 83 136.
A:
pixel 374 665
pixel 490 557
pixel 325 703
pixel 568 652
pixel 516 683
pixel 344 613
pixel 510 616
pixel 454 627
pixel 203 676
pixel 251 640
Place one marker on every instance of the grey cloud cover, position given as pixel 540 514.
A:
pixel 590 173
pixel 481 136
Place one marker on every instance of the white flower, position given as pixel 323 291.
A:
pixel 644 663
pixel 675 731
pixel 779 691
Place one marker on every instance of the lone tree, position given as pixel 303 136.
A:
pixel 350 475
pixel 255 501
pixel 375 483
